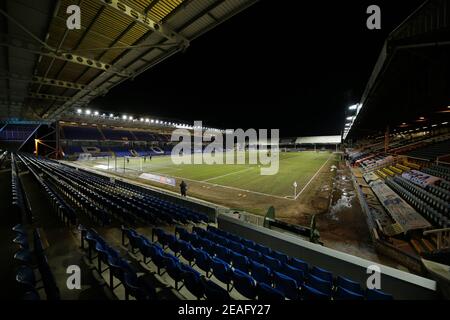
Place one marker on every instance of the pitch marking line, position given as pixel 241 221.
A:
pixel 226 175
pixel 318 171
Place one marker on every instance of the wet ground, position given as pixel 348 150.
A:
pixel 344 226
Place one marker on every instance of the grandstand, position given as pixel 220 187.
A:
pixel 98 190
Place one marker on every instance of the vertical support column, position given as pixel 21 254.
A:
pixel 386 140
pixel 58 145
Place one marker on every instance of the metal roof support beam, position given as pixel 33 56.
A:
pixel 144 20
pixel 48 97
pixel 42 81
pixel 15 42
pixel 57 83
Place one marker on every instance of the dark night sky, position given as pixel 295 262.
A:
pixel 280 64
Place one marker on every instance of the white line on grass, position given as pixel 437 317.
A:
pixel 318 171
pixel 226 175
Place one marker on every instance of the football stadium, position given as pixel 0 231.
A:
pixel 130 169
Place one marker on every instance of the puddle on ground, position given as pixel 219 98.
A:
pixel 343 195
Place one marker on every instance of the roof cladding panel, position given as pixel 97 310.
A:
pixel 123 46
pixel 410 86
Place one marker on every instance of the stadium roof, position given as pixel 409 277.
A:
pixel 319 140
pixel 45 68
pixel 410 84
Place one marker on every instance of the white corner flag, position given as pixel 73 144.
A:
pixel 295 189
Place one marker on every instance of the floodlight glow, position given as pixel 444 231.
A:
pixel 152 121
pixel 142 119
pixel 157 121
pixel 444 123
pixel 353 107
pixel 88 111
pixel 96 113
pixel 130 117
pixel 349 118
pixel 111 115
pixel 124 117
pixel 79 111
pixel 147 120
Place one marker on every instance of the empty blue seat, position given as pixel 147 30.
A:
pixel 24 256
pixel 322 274
pixel 175 271
pixel 263 249
pixel 159 261
pixel 223 253
pixel 287 285
pixel 244 284
pixel 296 274
pixel 173 244
pixel 254 254
pixel 133 288
pixel 215 292
pixel 222 271
pixel 236 247
pixel 25 276
pixel 309 293
pixel 349 285
pixel 344 294
pixel 240 262
pixel 267 293
pixel 272 263
pixel 192 282
pixel 247 243
pixel 187 251
pixel 203 261
pixel 299 264
pixel 373 294
pixel 260 272
pixel 280 256
pixel 319 284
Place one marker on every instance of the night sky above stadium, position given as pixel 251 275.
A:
pixel 288 65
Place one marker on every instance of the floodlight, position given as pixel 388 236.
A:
pixel 96 113
pixel 130 117
pixel 142 119
pixel 88 111
pixel 79 111
pixel 124 117
pixel 353 107
pixel 111 115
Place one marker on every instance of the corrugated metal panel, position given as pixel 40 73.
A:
pixel 103 26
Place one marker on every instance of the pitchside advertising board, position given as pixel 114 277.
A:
pixel 159 179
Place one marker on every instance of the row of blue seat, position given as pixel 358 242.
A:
pixel 102 199
pixel 186 276
pixel 436 202
pixel 291 282
pixel 59 205
pixel 420 205
pixel 119 268
pixel 33 258
pixel 20 203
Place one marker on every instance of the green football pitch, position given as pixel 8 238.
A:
pixel 299 167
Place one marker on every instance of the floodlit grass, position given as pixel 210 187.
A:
pixel 299 167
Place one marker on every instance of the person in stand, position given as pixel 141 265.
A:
pixel 145 158
pixel 183 188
